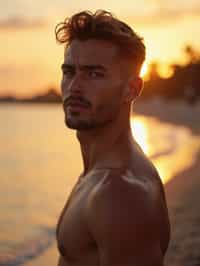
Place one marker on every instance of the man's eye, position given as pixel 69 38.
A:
pixel 96 74
pixel 68 73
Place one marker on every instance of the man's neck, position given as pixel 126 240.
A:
pixel 105 147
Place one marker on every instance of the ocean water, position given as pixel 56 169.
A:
pixel 40 161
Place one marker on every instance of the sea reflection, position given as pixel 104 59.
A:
pixel 171 148
pixel 140 131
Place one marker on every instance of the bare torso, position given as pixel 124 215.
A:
pixel 75 243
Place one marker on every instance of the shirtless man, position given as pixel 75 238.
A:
pixel 116 214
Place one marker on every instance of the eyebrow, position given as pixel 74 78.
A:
pixel 87 67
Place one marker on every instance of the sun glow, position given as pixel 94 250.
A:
pixel 140 133
pixel 144 70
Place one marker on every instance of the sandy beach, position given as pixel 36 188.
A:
pixel 182 193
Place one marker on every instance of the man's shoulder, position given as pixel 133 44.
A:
pixel 122 192
pixel 123 211
pixel 127 180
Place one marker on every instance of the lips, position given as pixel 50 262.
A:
pixel 76 106
pixel 76 103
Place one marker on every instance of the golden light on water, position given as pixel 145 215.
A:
pixel 140 133
pixel 164 146
pixel 140 130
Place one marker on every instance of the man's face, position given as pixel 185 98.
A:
pixel 92 84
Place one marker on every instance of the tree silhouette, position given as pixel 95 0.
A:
pixel 192 54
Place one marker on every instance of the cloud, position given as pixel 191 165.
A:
pixel 174 13
pixel 19 22
pixel 163 15
pixel 145 12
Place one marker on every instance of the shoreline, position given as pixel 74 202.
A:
pixel 176 112
pixel 47 258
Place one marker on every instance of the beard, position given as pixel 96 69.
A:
pixel 104 114
pixel 79 124
pixel 103 117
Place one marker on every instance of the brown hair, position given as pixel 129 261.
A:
pixel 102 25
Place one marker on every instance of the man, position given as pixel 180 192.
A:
pixel 116 214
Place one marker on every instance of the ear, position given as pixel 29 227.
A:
pixel 134 88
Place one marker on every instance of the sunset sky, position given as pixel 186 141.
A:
pixel 31 58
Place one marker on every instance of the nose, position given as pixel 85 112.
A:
pixel 73 86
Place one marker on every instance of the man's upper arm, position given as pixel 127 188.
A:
pixel 121 217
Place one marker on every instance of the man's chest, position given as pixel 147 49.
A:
pixel 73 237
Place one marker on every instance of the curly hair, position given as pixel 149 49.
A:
pixel 102 25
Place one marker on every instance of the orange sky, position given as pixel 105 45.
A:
pixel 31 59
